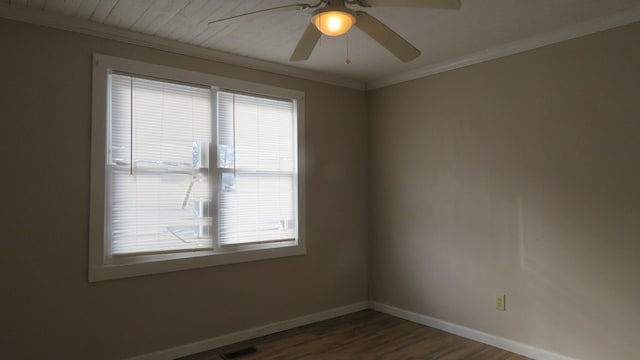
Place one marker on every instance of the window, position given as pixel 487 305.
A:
pixel 191 170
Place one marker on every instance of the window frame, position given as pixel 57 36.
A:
pixel 102 266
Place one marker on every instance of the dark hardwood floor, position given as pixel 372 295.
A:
pixel 363 335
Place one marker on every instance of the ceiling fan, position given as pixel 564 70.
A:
pixel 334 18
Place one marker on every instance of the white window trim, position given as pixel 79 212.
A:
pixel 101 269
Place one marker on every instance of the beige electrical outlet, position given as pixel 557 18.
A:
pixel 500 302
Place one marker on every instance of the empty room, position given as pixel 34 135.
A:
pixel 330 179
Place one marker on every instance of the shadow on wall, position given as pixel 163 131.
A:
pixel 580 257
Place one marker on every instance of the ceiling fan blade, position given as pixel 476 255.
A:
pixel 386 37
pixel 264 11
pixel 431 4
pixel 306 44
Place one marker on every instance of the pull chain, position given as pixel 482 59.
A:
pixel 348 61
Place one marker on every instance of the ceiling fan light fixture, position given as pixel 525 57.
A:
pixel 333 22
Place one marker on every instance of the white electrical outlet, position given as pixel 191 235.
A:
pixel 500 302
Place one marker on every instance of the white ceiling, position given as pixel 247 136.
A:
pixel 441 35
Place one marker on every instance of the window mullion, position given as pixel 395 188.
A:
pixel 214 171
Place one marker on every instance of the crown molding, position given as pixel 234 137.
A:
pixel 626 17
pixel 23 14
pixel 19 13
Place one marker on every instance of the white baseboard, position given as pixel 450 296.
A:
pixel 216 342
pixel 489 339
pixel 228 339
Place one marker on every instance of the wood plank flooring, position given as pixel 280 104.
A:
pixel 363 335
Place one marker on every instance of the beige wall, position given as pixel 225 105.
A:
pixel 519 176
pixel 516 176
pixel 49 310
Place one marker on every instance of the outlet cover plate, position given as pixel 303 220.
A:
pixel 500 302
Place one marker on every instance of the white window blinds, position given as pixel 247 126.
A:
pixel 159 181
pixel 257 161
pixel 160 187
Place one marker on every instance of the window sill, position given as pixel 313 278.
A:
pixel 130 266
